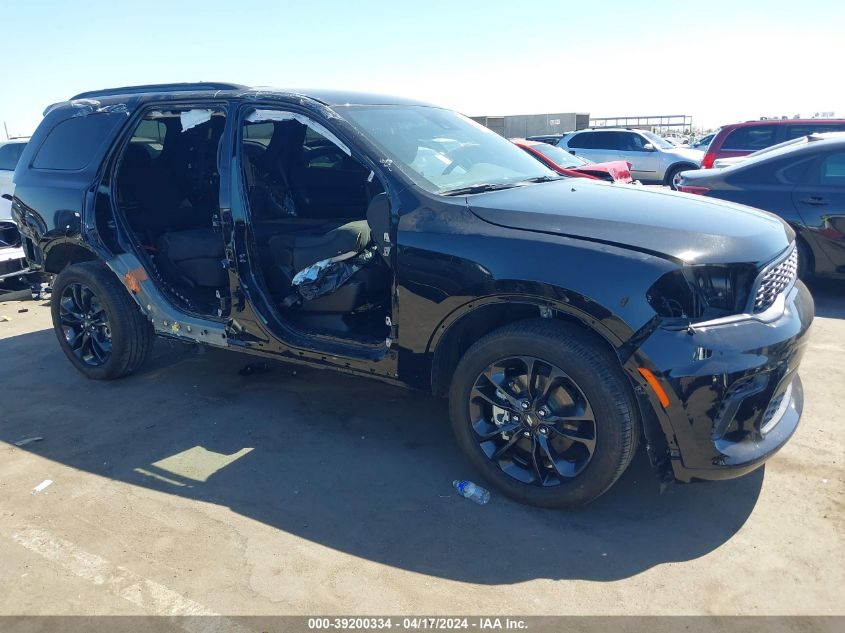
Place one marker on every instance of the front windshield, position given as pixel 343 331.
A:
pixel 560 157
pixel 443 151
pixel 657 141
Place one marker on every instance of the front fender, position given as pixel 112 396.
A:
pixel 450 263
pixel 545 300
pixel 440 275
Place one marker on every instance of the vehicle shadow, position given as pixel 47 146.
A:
pixel 829 296
pixel 351 464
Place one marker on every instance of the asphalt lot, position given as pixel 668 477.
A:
pixel 189 488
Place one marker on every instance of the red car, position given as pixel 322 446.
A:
pixel 741 139
pixel 568 164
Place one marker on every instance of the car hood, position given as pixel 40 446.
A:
pixel 687 153
pixel 680 226
pixel 619 170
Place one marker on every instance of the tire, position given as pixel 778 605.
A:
pixel 98 325
pixel 674 171
pixel 589 369
pixel 806 263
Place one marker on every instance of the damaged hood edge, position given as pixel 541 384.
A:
pixel 681 227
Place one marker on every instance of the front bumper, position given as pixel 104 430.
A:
pixel 735 397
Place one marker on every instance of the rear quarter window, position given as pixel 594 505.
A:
pixel 833 170
pixel 751 138
pixel 9 155
pixel 786 171
pixel 72 143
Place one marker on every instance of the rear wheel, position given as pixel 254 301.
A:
pixel 545 413
pixel 99 327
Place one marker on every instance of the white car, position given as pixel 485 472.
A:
pixel 12 259
pixel 10 153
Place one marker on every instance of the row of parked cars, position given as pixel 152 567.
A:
pixel 793 168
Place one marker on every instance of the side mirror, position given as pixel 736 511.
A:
pixel 572 151
pixel 648 147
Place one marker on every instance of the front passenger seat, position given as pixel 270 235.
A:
pixel 294 252
pixel 302 249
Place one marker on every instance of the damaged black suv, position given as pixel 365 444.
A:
pixel 565 319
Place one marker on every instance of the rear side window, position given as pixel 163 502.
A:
pixel 797 131
pixel 71 144
pixel 9 155
pixel 595 140
pixel 784 171
pixel 798 173
pixel 751 138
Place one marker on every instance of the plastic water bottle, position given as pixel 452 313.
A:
pixel 471 491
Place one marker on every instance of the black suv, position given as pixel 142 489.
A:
pixel 565 319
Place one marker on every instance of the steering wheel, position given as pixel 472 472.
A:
pixel 456 156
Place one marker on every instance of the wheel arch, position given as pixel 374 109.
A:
pixel 477 318
pixel 60 255
pixel 681 165
pixel 805 249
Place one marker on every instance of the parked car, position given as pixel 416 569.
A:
pixel 653 159
pixel 741 139
pixel 551 139
pixel 704 142
pixel 678 140
pixel 567 164
pixel 10 152
pixel 734 160
pixel 13 267
pixel 566 321
pixel 803 183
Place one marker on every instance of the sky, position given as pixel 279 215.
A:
pixel 718 61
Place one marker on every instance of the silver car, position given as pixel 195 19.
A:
pixel 12 260
pixel 654 160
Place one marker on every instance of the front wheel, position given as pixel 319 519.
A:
pixel 545 412
pixel 806 263
pixel 673 177
pixel 99 327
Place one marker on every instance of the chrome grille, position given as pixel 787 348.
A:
pixel 775 281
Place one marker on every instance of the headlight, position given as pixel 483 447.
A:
pixel 701 293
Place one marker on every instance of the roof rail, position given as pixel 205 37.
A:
pixel 179 87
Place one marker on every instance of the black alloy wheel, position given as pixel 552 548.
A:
pixel 85 324
pixel 543 409
pixel 100 327
pixel 532 420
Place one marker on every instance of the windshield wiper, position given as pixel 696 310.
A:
pixel 489 186
pixel 544 179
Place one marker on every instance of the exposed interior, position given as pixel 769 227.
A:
pixel 168 190
pixel 319 220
